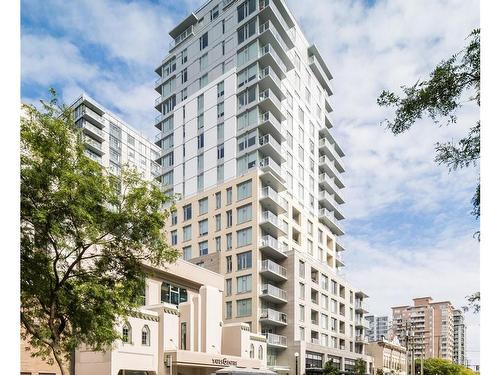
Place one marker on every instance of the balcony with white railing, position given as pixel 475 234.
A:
pixel 271 200
pixel 269 101
pixel 92 130
pixel 326 147
pixel 275 341
pixel 94 145
pixel 273 317
pixel 269 34
pixel 268 146
pixel 328 201
pixel 269 11
pixel 339 244
pixel 272 224
pixel 333 170
pixel 273 294
pixel 272 270
pixel 268 123
pixel 181 38
pixel 328 219
pixel 317 69
pixel 268 79
pixel 271 174
pixel 269 56
pixel 93 117
pixel 270 246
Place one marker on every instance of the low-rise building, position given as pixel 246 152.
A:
pixel 179 330
pixel 389 356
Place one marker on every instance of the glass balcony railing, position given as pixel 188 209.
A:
pixel 274 339
pixel 273 291
pixel 181 38
pixel 273 315
pixel 268 49
pixel 270 266
pixel 269 192
pixel 268 216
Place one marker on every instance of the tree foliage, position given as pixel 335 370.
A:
pixel 85 236
pixel 438 366
pixel 359 367
pixel 451 83
pixel 329 369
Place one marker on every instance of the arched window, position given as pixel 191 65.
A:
pixel 261 352
pixel 145 335
pixel 252 351
pixel 127 333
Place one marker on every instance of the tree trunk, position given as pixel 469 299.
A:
pixel 60 362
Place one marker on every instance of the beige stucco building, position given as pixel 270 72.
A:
pixel 432 325
pixel 179 330
pixel 389 356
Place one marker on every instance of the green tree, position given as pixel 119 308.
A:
pixel 379 372
pixel 437 366
pixel 329 369
pixel 85 237
pixel 359 367
pixel 452 82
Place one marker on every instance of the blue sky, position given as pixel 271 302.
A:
pixel 408 221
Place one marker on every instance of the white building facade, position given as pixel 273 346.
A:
pixel 247 141
pixel 378 327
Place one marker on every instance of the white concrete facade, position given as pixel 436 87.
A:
pixel 185 335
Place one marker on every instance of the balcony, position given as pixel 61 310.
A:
pixel 272 224
pixel 269 57
pixel 268 79
pixel 361 339
pixel 181 38
pixel 268 101
pixel 339 261
pixel 339 244
pixel 269 124
pixel 273 317
pixel 328 218
pixel 275 341
pixel 362 323
pixel 271 200
pixel 273 294
pixel 325 133
pixel 359 308
pixel 317 68
pixel 328 121
pixel 93 145
pixel 93 117
pixel 326 147
pixel 328 167
pixel 92 130
pixel 272 247
pixel 273 271
pixel 269 11
pixel 271 174
pixel 327 201
pixel 270 147
pixel 159 119
pixel 268 34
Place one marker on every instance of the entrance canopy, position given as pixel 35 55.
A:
pixel 243 371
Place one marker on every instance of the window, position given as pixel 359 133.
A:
pixel 145 336
pixel 244 284
pixel 229 264
pixel 184 76
pixel 223 47
pixel 214 13
pixel 229 195
pixel 220 89
pixel 244 307
pixel 218 200
pixel 244 190
pixel 173 294
pixel 229 287
pixel 302 313
pixel 246 162
pixel 200 161
pixel 261 352
pixel 174 218
pixel 184 56
pixel 204 41
pixel 203 80
pixel 247 119
pixel 220 152
pixel 187 212
pixel 203 227
pixel 201 140
pixel 302 333
pixel 223 26
pixel 229 219
pixel 187 253
pixel 203 246
pixel 173 238
pixel 247 30
pixel 127 333
pixel 229 241
pixel 218 223
pixel 252 351
pixel 200 101
pixel 220 131
pixel 244 237
pixel 203 206
pixel 247 140
pixel 302 291
pixel 186 233
pixel 217 244
pixel 248 7
pixel 247 96
pixel 183 336
pixel 248 53
pixel 244 214
pixel 244 260
pixel 184 94
pixel 220 110
pixel 302 269
pixel 203 62
pixel 220 173
pixel 201 121
pixel 229 310
pixel 247 75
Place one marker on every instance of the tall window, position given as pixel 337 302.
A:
pixel 260 352
pixel 252 351
pixel 204 41
pixel 244 190
pixel 244 237
pixel 187 212
pixel 244 307
pixel 247 30
pixel 183 336
pixel 220 89
pixel 244 260
pixel 203 248
pixel 203 227
pixel 145 336
pixel 246 8
pixel 229 310
pixel 187 253
pixel 127 333
pixel 186 233
pixel 244 284
pixel 244 214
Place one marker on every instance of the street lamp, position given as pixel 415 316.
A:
pixel 296 363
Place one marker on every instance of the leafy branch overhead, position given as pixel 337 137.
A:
pixel 452 83
pixel 85 237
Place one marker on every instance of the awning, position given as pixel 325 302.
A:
pixel 243 371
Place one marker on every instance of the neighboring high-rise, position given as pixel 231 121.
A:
pixel 459 337
pixel 247 141
pixel 378 327
pixel 112 142
pixel 428 327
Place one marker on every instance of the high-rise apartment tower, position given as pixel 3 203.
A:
pixel 247 141
pixel 378 327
